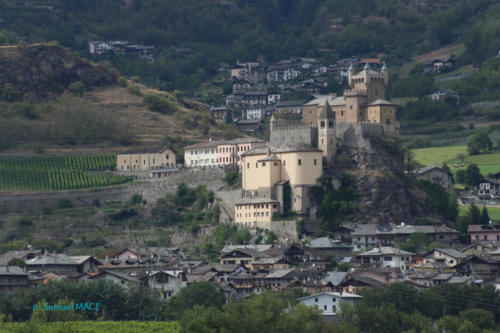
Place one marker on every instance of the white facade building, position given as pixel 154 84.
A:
pixel 329 302
pixel 201 154
pixel 255 112
pixel 386 256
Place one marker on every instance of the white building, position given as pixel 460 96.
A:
pixel 99 47
pixel 202 154
pixel 329 302
pixel 255 112
pixel 386 256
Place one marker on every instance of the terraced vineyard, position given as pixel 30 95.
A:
pixel 57 172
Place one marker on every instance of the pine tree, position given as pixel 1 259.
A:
pixel 474 214
pixel 485 218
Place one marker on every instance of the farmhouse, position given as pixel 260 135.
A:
pixel 146 160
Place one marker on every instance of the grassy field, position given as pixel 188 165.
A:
pixel 493 212
pixel 93 327
pixel 487 163
pixel 36 173
pixel 438 155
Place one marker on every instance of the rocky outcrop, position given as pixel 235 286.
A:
pixel 48 69
pixel 385 192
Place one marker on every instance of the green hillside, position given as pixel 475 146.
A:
pixel 224 31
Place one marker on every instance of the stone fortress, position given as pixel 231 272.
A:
pixel 278 177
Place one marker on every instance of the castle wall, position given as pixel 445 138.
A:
pixel 285 132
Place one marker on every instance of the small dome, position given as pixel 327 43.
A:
pixel 367 67
pixel 384 67
pixel 351 67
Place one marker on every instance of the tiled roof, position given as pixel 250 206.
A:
pixel 12 270
pixel 280 273
pixel 483 228
pixel 150 150
pixel 386 250
pixel 380 102
pixel 453 253
pixel 256 200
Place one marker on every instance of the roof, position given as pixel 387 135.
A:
pixel 52 259
pixel 296 147
pixel 381 102
pixel 280 273
pixel 259 248
pixel 256 200
pixel 443 276
pixel 365 229
pixel 226 268
pixel 429 168
pixel 117 274
pixel 150 150
pixel 6 257
pixel 270 158
pixel 205 144
pixel 386 250
pixel 323 242
pixel 483 228
pixel 453 253
pixel 335 278
pixel 290 103
pixel 12 270
pixel 335 294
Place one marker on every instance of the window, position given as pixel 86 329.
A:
pixel 388 121
pixel 351 107
pixel 322 124
pixel 167 156
pixel 315 161
pixel 334 308
pixel 248 165
pixel 144 162
pixel 387 258
pixel 485 237
pixel 275 163
pixel 284 163
pixel 334 300
pixel 256 165
pixel 316 300
pixel 330 124
pixel 299 161
pixel 324 307
pixel 154 161
pixel 263 164
pixel 342 112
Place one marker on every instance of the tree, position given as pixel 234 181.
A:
pixel 472 175
pixel 474 214
pixel 453 206
pixel 485 218
pixel 199 293
pixel 231 177
pixel 409 157
pixel 460 176
pixel 158 103
pixel 479 142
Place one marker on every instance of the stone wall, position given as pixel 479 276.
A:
pixel 285 132
pixel 151 190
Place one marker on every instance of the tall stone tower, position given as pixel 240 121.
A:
pixel 326 134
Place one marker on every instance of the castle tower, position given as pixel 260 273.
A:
pixel 351 74
pixel 326 134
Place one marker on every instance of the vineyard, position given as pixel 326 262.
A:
pixel 57 173
pixel 93 327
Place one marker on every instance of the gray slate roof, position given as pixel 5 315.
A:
pixel 12 270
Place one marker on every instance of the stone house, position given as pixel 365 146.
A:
pixel 13 279
pixel 146 160
pixel 444 257
pixel 123 280
pixel 62 264
pixel 289 107
pixel 166 283
pixel 479 267
pixel 436 65
pixel 436 175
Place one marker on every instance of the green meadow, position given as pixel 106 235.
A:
pixel 493 212
pixel 487 163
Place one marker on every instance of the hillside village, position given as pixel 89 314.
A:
pixel 277 181
pixel 240 166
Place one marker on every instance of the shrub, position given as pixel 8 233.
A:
pixel 122 82
pixel 158 103
pixel 65 203
pixel 77 88
pixel 9 93
pixel 134 90
pixel 26 110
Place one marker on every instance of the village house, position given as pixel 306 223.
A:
pixel 219 112
pixel 123 280
pixel 489 233
pixel 441 95
pixel 364 236
pixel 444 257
pixel 62 264
pixel 436 175
pixel 387 257
pixel 146 160
pixel 6 257
pixel 437 65
pixel 479 267
pixel 166 283
pixel 13 279
pixel 248 125
pixel 329 302
pixel 289 107
pixel 203 154
pixel 257 112
pixel 488 189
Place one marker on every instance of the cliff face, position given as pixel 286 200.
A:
pixel 47 69
pixel 385 195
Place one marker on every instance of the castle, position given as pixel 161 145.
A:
pixel 278 177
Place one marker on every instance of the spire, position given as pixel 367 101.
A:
pixel 351 67
pixel 384 67
pixel 367 67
